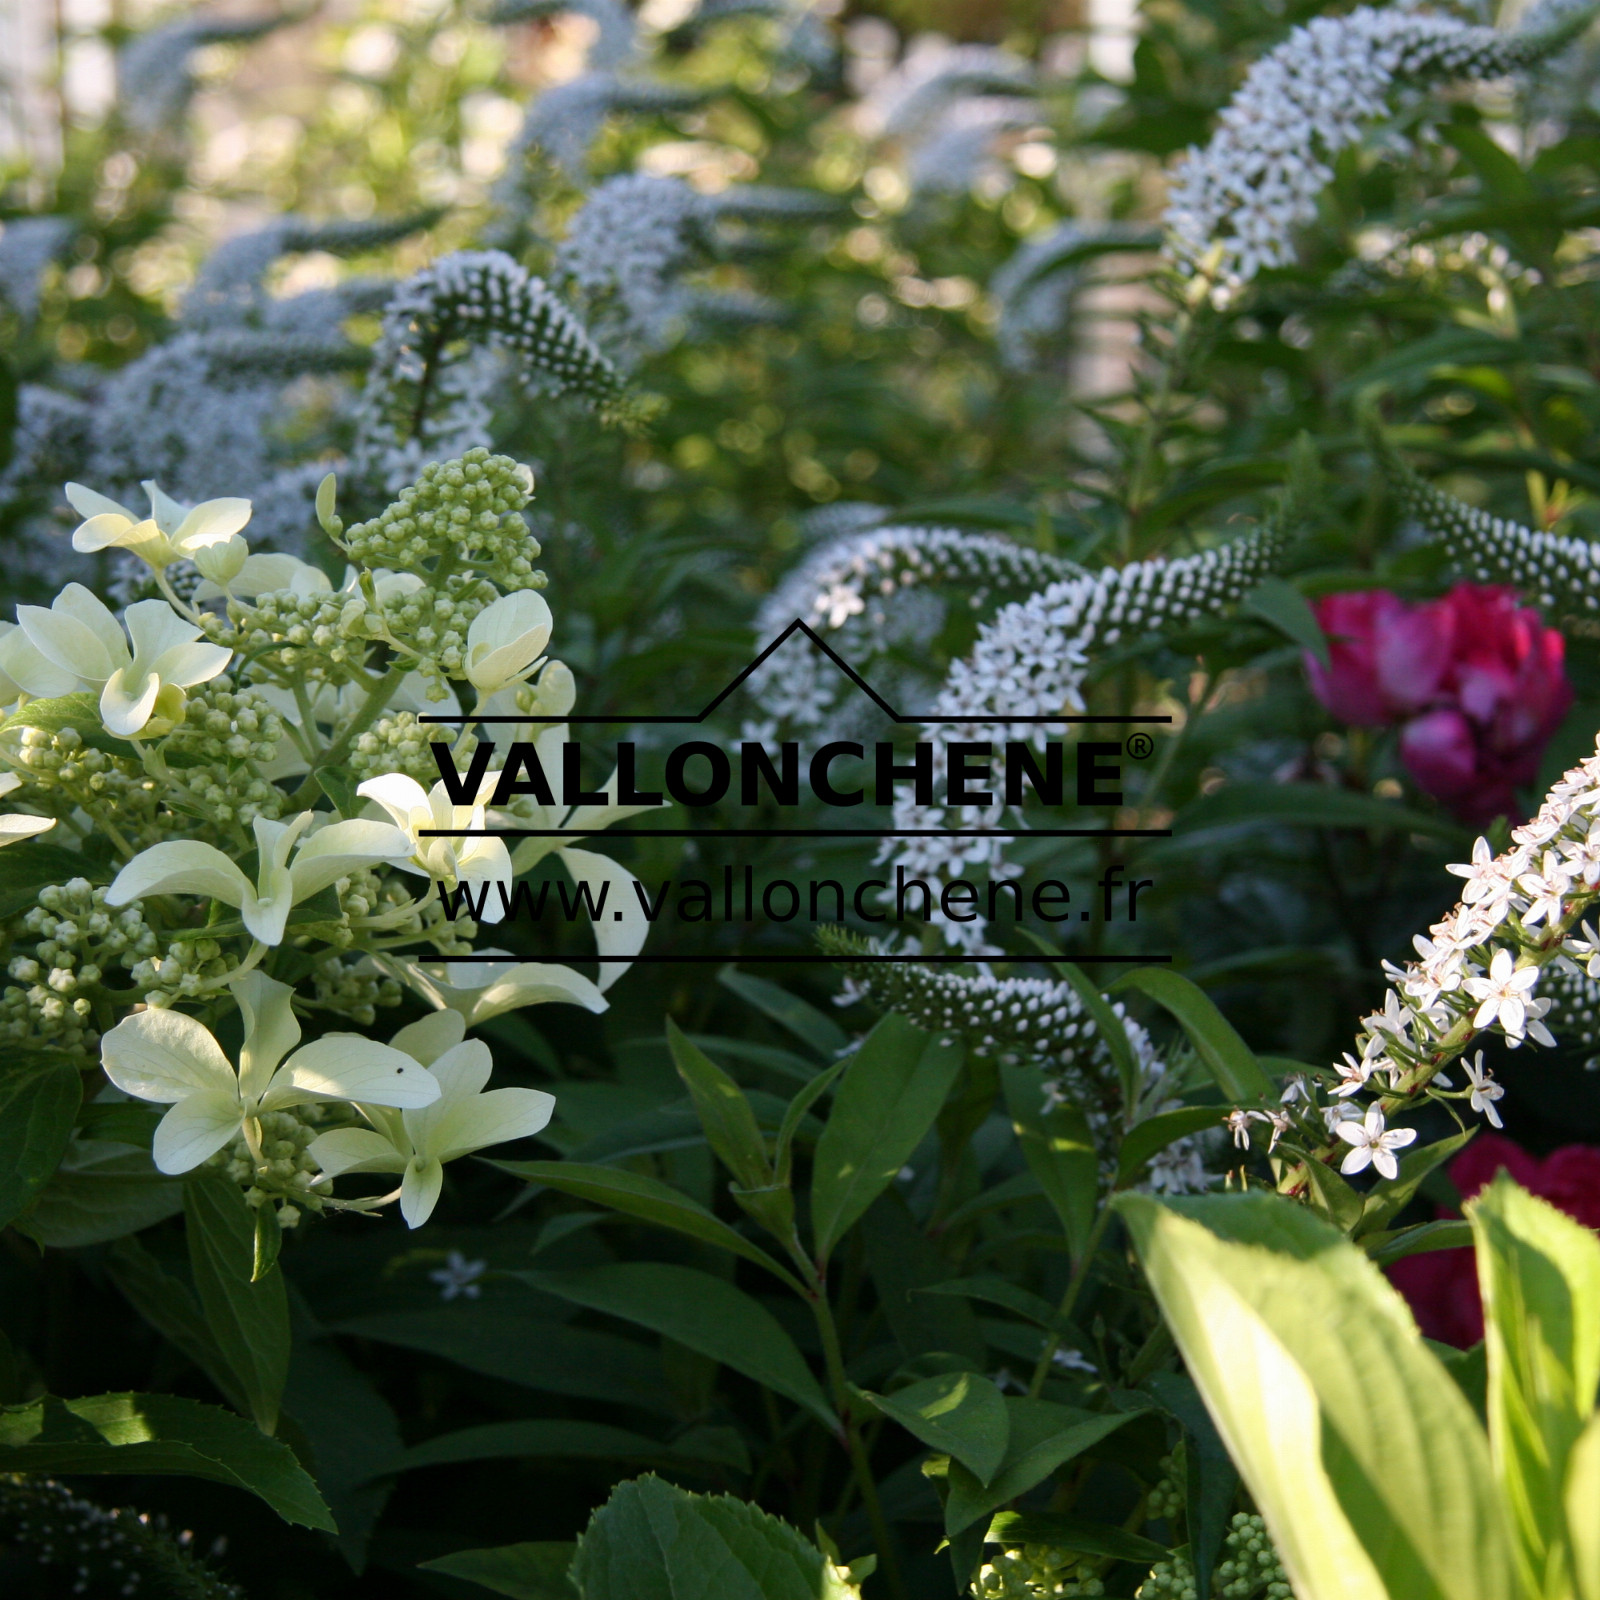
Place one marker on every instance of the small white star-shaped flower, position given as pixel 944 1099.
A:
pixel 1372 1144
pixel 1502 994
pixel 1485 1091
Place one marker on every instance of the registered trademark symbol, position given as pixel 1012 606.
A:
pixel 1140 746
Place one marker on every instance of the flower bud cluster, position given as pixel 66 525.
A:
pixel 285 1176
pixel 1035 1572
pixel 1168 1499
pixel 188 967
pixel 353 988
pixel 400 743
pixel 1251 1566
pixel 432 621
pixel 308 638
pixel 105 787
pixel 468 511
pixel 78 939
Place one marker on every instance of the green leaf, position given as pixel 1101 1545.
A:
pixel 1059 1149
pixel 886 1103
pixel 1077 1534
pixel 1228 1057
pixel 1146 1140
pixel 651 1201
pixel 805 1022
pixel 1211 1482
pixel 1309 805
pixel 158 1433
pixel 1000 1292
pixel 724 1112
pixel 32 865
pixel 1278 602
pixel 340 788
pixel 101 1191
pixel 1445 1234
pixel 541 1437
pixel 39 1099
pixel 653 1541
pixel 705 1313
pixel 536 1571
pixel 901 1259
pixel 1582 1500
pixel 1540 1276
pixel 1043 1436
pixel 80 711
pixel 268 1240
pixel 1107 1024
pixel 248 1318
pixel 960 1414
pixel 1333 1197
pixel 782 1159
pixel 1360 1450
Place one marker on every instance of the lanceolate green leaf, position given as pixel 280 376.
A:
pixel 1539 1272
pixel 1108 1025
pixel 1229 1058
pixel 536 1571
pixel 1359 1448
pixel 1059 1149
pixel 158 1433
pixel 959 1413
pixel 38 1100
pixel 540 1436
pixel 1277 601
pixel 651 1201
pixel 805 1022
pixel 885 1104
pixel 698 1310
pixel 1147 1139
pixel 724 1112
pixel 248 1317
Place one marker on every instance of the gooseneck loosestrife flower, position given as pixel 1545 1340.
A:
pixel 248 749
pixel 1519 921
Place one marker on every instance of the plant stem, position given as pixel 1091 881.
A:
pixel 1080 1274
pixel 363 719
pixel 860 1466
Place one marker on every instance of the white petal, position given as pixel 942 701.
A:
pixel 189 664
pixel 195 1128
pixel 355 1150
pixel 345 1066
pixel 266 917
pixel 533 983
pixel 1386 1164
pixel 615 938
pixel 343 848
pixel 33 672
pixel 399 795
pixel 419 1192
pixel 165 1056
pixel 211 522
pixel 167 512
pixel 462 1070
pixel 271 1029
pixel 67 641
pixel 506 638
pixel 91 503
pixel 126 703
pixel 427 1040
pixel 17 825
pixel 591 819
pixel 492 1118
pixel 1357 1160
pixel 180 866
pixel 156 628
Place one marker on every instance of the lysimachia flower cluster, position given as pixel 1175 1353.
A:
pixel 870 591
pixel 1235 205
pixel 1032 660
pixel 1034 1022
pixel 213 864
pixel 1524 914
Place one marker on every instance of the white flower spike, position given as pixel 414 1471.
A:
pixel 172 1059
pixel 186 866
pixel 1372 1144
pixel 417 1143
pixel 141 691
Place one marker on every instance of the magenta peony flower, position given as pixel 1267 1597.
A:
pixel 1441 1287
pixel 1475 682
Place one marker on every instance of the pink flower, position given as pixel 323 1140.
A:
pixel 1442 1286
pixel 1475 682
pixel 1386 659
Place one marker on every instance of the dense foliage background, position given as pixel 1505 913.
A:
pixel 893 266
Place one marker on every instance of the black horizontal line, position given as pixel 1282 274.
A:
pixel 798 833
pixel 798 626
pixel 824 961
